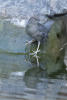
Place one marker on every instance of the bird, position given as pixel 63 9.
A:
pixel 38 31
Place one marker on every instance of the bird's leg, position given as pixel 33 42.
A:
pixel 29 42
pixel 37 58
pixel 37 48
pixel 35 52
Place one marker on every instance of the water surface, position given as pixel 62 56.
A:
pixel 20 77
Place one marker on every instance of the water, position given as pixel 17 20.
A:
pixel 20 77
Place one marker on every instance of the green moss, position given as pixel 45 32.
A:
pixel 53 57
pixel 54 42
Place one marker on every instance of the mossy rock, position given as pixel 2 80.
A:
pixel 54 56
pixel 56 39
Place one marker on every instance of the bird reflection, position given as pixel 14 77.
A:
pixel 32 76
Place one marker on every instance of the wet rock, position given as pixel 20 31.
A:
pixel 58 6
pixel 55 47
pixel 27 8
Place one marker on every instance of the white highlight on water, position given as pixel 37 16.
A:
pixel 18 22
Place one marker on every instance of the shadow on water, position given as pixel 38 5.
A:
pixel 20 78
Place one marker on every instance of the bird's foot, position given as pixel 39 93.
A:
pixel 37 58
pixel 35 53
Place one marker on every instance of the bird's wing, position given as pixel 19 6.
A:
pixel 42 28
pixel 42 31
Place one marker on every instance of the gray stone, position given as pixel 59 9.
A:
pixel 28 8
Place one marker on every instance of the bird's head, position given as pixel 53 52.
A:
pixel 33 20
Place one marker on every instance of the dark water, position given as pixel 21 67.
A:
pixel 20 77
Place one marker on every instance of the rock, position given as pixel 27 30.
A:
pixel 56 37
pixel 54 55
pixel 58 6
pixel 28 8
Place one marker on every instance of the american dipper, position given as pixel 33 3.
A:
pixel 38 31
